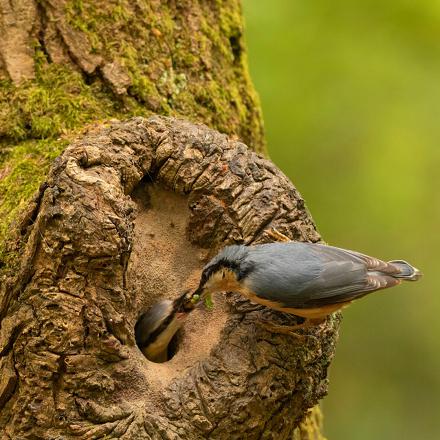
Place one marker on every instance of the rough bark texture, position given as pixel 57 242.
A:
pixel 69 363
pixel 68 298
pixel 123 57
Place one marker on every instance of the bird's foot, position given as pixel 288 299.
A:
pixel 277 235
pixel 291 330
pixel 284 329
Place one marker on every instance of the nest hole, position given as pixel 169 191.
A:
pixel 163 263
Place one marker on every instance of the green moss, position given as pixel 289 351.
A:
pixel 311 427
pixel 23 169
pixel 57 101
pixel 173 65
pixel 173 68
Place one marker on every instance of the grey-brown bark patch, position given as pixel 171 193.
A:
pixel 116 76
pixel 18 22
pixel 129 215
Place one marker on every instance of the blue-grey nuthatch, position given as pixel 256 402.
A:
pixel 156 328
pixel 305 279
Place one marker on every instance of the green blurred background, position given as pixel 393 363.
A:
pixel 351 99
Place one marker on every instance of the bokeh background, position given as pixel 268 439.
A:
pixel 351 100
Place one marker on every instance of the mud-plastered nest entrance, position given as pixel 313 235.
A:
pixel 128 216
pixel 163 264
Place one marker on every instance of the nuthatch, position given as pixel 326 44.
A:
pixel 155 328
pixel 304 279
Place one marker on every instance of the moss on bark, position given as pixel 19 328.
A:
pixel 133 58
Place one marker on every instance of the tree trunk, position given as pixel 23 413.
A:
pixel 128 214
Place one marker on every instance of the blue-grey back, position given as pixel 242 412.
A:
pixel 305 274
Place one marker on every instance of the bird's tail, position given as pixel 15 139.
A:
pixel 406 271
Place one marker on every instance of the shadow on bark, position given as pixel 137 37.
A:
pixel 130 214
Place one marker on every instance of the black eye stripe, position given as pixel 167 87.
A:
pixel 217 266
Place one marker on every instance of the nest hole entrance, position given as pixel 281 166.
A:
pixel 163 264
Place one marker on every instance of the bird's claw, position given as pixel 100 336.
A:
pixel 291 330
pixel 283 329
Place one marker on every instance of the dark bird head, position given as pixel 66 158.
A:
pixel 156 328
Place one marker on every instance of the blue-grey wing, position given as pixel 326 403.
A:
pixel 306 275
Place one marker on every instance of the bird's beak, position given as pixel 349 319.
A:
pixel 201 297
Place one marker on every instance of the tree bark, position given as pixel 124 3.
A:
pixel 128 214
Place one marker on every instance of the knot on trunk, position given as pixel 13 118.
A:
pixel 129 215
